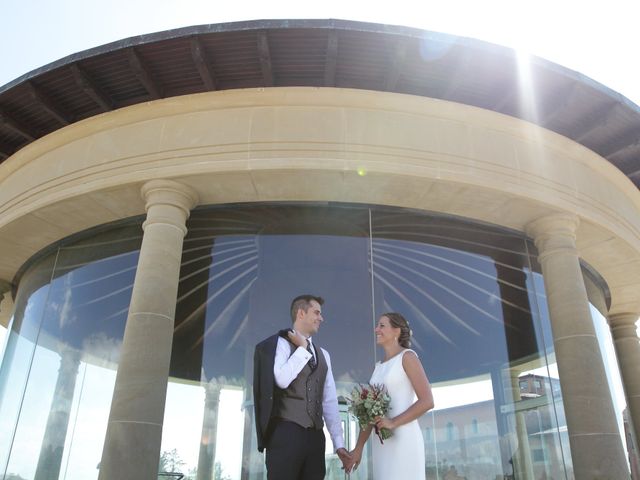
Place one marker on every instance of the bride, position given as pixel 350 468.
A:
pixel 402 455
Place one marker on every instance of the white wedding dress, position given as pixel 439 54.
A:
pixel 401 457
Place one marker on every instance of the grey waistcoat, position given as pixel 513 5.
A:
pixel 301 401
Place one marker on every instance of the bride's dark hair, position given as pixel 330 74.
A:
pixel 398 321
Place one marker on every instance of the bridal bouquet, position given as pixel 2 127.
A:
pixel 368 402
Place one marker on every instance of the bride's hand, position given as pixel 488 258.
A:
pixel 384 422
pixel 356 457
pixel 345 458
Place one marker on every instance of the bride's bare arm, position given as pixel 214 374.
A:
pixel 420 383
pixel 356 453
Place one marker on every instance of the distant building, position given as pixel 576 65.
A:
pixel 466 437
pixel 532 386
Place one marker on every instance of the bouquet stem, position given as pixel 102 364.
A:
pixel 382 433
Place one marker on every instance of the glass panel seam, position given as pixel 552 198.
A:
pixel 75 422
pixel 373 295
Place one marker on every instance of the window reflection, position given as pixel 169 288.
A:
pixel 469 290
pixel 240 270
pixel 89 417
pixel 468 293
pixel 20 350
pixel 228 437
pixel 473 296
pixel 68 325
pixel 605 341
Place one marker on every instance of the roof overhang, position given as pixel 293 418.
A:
pixel 327 53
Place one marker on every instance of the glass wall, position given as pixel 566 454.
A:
pixel 61 356
pixel 472 293
pixel 614 379
pixel 473 297
pixel 241 267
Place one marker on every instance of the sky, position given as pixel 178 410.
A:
pixel 597 39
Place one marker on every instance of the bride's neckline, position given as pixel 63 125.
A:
pixel 389 359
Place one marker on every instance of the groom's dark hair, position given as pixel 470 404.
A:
pixel 303 302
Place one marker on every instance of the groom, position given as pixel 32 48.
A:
pixel 293 390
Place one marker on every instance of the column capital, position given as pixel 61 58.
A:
pixel 6 302
pixel 168 202
pixel 555 224
pixel 623 325
pixel 554 233
pixel 623 319
pixel 169 192
pixel 5 286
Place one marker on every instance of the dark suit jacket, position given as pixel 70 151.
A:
pixel 264 385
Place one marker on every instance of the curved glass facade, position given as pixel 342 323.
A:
pixel 61 357
pixel 472 293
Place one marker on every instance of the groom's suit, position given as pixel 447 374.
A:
pixel 264 384
pixel 290 417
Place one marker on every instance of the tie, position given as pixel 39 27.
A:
pixel 312 360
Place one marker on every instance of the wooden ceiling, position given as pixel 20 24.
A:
pixel 330 53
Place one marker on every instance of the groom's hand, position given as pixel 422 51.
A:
pixel 297 339
pixel 346 459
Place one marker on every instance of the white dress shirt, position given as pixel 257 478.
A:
pixel 286 368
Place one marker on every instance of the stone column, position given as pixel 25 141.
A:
pixel 522 463
pixel 596 448
pixel 627 345
pixel 207 455
pixel 132 444
pixel 55 434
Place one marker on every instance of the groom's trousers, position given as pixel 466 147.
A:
pixel 295 452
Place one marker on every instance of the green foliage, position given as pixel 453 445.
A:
pixel 170 461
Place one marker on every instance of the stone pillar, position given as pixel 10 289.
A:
pixel 207 455
pixel 55 434
pixel 522 463
pixel 132 444
pixel 627 345
pixel 596 448
pixel 6 302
